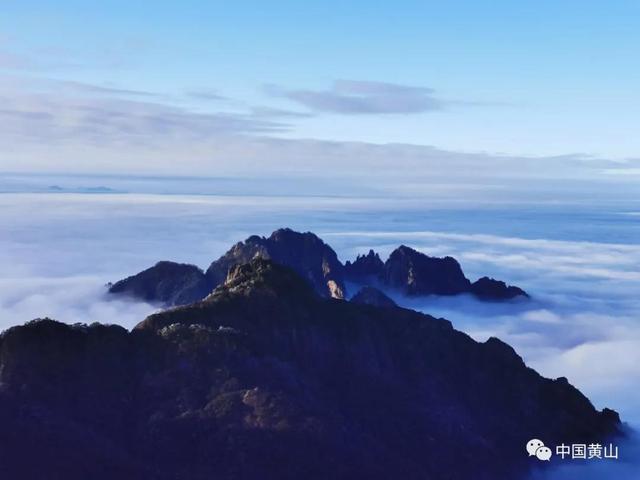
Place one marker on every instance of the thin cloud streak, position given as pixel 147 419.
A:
pixel 349 97
pixel 206 94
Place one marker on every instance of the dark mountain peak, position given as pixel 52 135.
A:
pixel 416 256
pixel 288 234
pixel 267 379
pixel 371 256
pixel 174 284
pixel 419 274
pixel 372 296
pixel 166 282
pixel 503 350
pixel 365 268
pixel 407 269
pixel 490 289
pixel 404 249
pixel 305 253
pixel 260 275
pixel 260 286
pixel 416 273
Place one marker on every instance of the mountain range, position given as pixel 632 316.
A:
pixel 406 270
pixel 267 378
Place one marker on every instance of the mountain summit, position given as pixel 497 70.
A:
pixel 414 273
pixel 265 378
pixel 408 270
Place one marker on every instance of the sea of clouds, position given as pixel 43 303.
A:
pixel 582 269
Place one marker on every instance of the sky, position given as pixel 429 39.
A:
pixel 244 88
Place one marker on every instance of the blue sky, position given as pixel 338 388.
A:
pixel 190 79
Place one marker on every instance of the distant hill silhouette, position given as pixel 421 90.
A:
pixel 408 270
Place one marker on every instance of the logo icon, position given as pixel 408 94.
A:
pixel 536 448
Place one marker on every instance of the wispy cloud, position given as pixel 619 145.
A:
pixel 119 122
pixel 269 112
pixel 206 94
pixel 55 112
pixel 54 125
pixel 351 97
pixel 80 87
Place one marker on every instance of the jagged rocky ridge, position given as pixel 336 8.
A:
pixel 266 379
pixel 172 284
pixel 407 270
pixel 415 273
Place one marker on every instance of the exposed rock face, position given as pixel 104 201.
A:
pixel 266 379
pixel 365 268
pixel 372 296
pixel 418 274
pixel 171 284
pixel 415 273
pixel 305 253
pixel 489 289
pixel 406 269
pixel 335 291
pixel 168 283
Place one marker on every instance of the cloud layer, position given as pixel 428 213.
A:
pixel 59 250
pixel 349 97
pixel 74 113
pixel 70 126
pixel 581 322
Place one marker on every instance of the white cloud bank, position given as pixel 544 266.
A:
pixel 582 321
pixel 58 251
